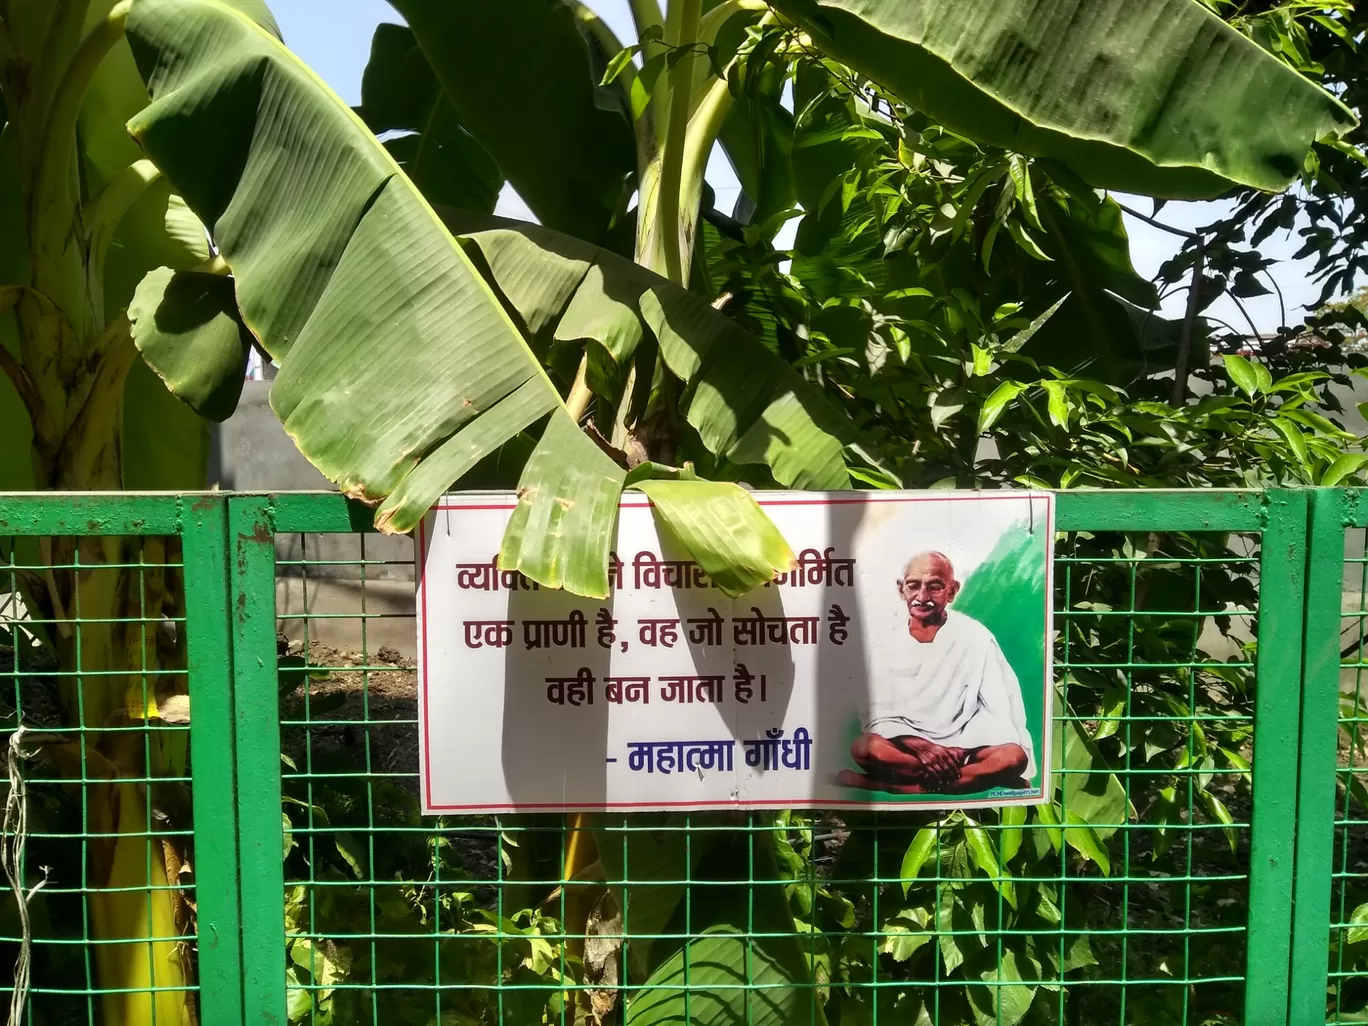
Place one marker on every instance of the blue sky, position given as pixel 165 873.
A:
pixel 333 37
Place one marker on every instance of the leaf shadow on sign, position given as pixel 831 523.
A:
pixel 723 656
pixel 748 721
pixel 543 739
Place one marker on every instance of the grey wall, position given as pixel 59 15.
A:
pixel 331 605
pixel 252 453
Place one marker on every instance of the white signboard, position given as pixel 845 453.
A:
pixel 905 661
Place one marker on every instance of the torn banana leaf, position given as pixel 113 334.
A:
pixel 747 404
pixel 1160 98
pixel 400 366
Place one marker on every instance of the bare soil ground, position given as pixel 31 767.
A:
pixel 369 710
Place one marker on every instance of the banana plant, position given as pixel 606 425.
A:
pixel 176 187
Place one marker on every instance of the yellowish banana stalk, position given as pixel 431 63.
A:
pixel 71 373
pixel 131 871
pixel 136 912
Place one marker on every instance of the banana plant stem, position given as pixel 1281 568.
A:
pixel 19 378
pixel 677 122
pixel 103 215
pixel 90 431
pixel 645 16
pixel 214 265
pixel 578 399
pixel 65 21
pixel 701 134
pixel 598 28
pixel 606 39
pixel 49 225
pixel 644 127
pixel 54 593
pixel 703 130
pixel 650 23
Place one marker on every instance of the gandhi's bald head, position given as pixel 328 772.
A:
pixel 928 585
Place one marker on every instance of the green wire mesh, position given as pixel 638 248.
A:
pixel 1125 901
pixel 1348 991
pixel 96 738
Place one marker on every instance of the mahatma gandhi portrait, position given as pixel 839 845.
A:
pixel 947 716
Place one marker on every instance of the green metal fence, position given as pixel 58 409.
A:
pixel 1205 859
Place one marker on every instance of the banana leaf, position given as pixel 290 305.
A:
pixel 720 975
pixel 1161 97
pixel 748 405
pixel 165 444
pixel 400 93
pixel 519 75
pixel 401 368
pixel 187 329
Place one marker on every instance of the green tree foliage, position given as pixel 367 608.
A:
pixel 1324 43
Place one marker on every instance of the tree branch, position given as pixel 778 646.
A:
pixel 1157 224
pixel 1180 369
pixel 1282 307
pixel 1254 332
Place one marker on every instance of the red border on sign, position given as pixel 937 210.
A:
pixel 1017 798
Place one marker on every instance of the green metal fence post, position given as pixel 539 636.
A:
pixel 1318 756
pixel 1282 602
pixel 257 717
pixel 204 543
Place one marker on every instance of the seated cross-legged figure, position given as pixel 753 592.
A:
pixel 947 716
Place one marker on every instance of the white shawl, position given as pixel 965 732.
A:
pixel 956 690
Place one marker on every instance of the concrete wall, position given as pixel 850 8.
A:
pixel 251 452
